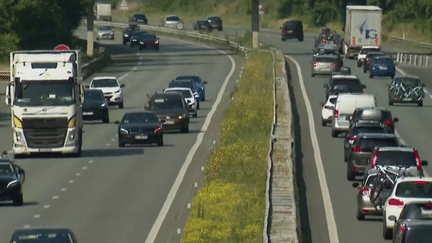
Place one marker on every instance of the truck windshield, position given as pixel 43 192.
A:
pixel 40 93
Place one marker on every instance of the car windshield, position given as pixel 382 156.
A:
pixel 173 18
pixel 43 238
pixel 53 93
pixel 98 83
pixel 424 234
pixel 185 93
pixel 326 59
pixel 369 144
pixel 404 158
pixel 105 28
pixel 407 81
pixel 414 189
pixel 90 95
pixel 167 104
pixel 133 118
pixel 6 169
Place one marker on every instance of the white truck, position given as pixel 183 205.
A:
pixel 103 12
pixel 45 96
pixel 363 27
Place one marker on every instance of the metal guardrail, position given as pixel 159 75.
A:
pixel 424 44
pixel 418 60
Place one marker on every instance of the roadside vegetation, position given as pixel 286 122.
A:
pixel 230 206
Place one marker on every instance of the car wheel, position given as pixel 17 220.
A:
pixel 141 47
pixel 345 156
pixel 18 201
pixel 420 103
pixel 132 45
pixel 390 102
pixel 220 29
pixel 198 104
pixel 105 119
pixel 313 74
pixel 370 75
pixel 124 42
pixel 283 39
pixel 350 174
pixel 195 114
pixel 160 143
pixel 157 47
pixel 334 134
pixel 387 233
pixel 185 129
pixel 358 64
pixel 121 105
pixel 364 70
pixel 300 39
pixel 121 144
pixel 323 123
pixel 360 215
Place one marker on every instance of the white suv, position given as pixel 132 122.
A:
pixel 190 98
pixel 111 89
pixel 363 52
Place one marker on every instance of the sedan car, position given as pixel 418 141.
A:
pixel 139 18
pixel 129 31
pixel 46 235
pixel 105 32
pixel 368 58
pixel 11 181
pixel 111 88
pixel 95 106
pixel 414 223
pixel 364 51
pixel 134 40
pixel 327 110
pixel 202 25
pixel 406 89
pixel 343 84
pixel 326 64
pixel 140 128
pixel 172 21
pixel 380 114
pixel 215 22
pixel 171 109
pixel 383 66
pixel 148 40
pixel 199 84
pixel 189 97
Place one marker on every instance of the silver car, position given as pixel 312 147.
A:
pixel 172 21
pixel 326 64
pixel 364 204
pixel 105 32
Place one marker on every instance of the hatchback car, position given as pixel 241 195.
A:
pixel 364 51
pixel 368 59
pixel 129 31
pixel 326 64
pixel 172 21
pixel 360 150
pixel 148 40
pixel 364 204
pixel 406 89
pixel 111 88
pixel 140 128
pixel 95 106
pixel 199 84
pixel 382 66
pixel 138 18
pixel 414 223
pixel 189 97
pixel 215 22
pixel 12 179
pixel 327 110
pixel 171 109
pixel 105 32
pixel 343 84
pixel 292 30
pixel 396 157
pixel 46 235
pixel 381 114
pixel 406 190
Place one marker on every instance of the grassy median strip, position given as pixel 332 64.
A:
pixel 230 207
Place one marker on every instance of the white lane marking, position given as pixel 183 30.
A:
pixel 113 139
pixel 36 216
pixel 26 226
pixel 174 189
pixel 63 189
pixel 189 205
pixel 55 197
pixel 108 144
pixel 78 174
pixel 133 69
pixel 46 206
pixel 71 181
pixel 328 207
pixel 178 231
pixel 84 168
pixel 400 138
pixel 91 161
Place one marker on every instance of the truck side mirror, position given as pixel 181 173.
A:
pixel 147 107
pixel 7 96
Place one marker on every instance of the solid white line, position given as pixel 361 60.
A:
pixel 328 207
pixel 174 189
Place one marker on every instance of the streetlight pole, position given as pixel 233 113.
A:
pixel 90 32
pixel 255 24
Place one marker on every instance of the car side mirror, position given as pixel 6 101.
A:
pixel 205 82
pixel 364 86
pixel 395 119
pixel 392 218
pixel 325 85
pixel 117 122
pixel 321 104
pixel 355 184
pixel 87 86
pixel 196 96
pixel 423 85
pixel 424 162
pixel 147 107
pixel 122 85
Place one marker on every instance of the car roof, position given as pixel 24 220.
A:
pixel 376 135
pixel 403 149
pixel 43 229
pixel 370 47
pixel 413 178
pixel 178 88
pixel 344 76
pixel 105 77
pixel 375 53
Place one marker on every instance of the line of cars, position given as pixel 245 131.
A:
pixel 393 180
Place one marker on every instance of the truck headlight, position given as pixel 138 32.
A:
pixel 71 137
pixel 19 136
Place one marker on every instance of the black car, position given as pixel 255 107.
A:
pixel 343 84
pixel 381 114
pixel 134 40
pixel 199 84
pixel 202 24
pixel 292 30
pixel 215 22
pixel 171 109
pixel 46 235
pixel 95 106
pixel 140 128
pixel 138 18
pixel 148 40
pixel 11 181
pixel 414 223
pixel 406 89
pixel 129 31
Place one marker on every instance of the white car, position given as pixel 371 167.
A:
pixel 363 52
pixel 105 32
pixel 172 21
pixel 327 110
pixel 111 89
pixel 189 97
pixel 405 190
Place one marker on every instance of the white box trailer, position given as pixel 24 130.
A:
pixel 103 12
pixel 363 27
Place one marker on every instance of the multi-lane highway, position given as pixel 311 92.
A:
pixel 413 128
pixel 113 194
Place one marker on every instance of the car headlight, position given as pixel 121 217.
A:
pixel 156 42
pixel 142 43
pixel 104 104
pixel 12 183
pixel 124 131
pixel 126 35
pixel 182 116
pixel 118 91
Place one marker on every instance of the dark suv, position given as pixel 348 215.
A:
pixel 170 108
pixel 292 30
pixel 138 18
pixel 215 22
pixel 381 114
pixel 395 157
pixel 343 84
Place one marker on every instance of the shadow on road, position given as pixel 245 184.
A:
pixel 88 153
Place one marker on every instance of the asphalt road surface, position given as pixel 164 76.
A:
pixel 113 194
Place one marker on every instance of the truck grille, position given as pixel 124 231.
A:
pixel 45 132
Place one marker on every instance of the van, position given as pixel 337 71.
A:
pixel 345 105
pixel 292 30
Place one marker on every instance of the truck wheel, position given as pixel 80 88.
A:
pixel 334 134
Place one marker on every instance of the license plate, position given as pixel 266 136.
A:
pixel 45 150
pixel 382 67
pixel 141 137
pixel 406 99
pixel 169 122
pixel 88 113
pixel 289 32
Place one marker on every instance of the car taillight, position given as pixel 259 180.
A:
pixel 316 64
pixel 158 129
pixel 365 191
pixel 334 64
pixel 395 202
pixel 324 41
pixel 389 123
pixel 336 113
pixel 355 168
pixel 285 31
pixel 421 183
pixel 358 149
pixel 418 160
pixel 402 228
pixel 351 138
pixel 328 107
pixel 374 159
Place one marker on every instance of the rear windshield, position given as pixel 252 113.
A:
pixel 407 81
pixel 417 211
pixel 414 189
pixel 345 81
pixel 369 144
pixel 326 59
pixel 405 158
pixel 173 18
pixel 374 115
pixel 185 93
pixel 293 25
pixel 422 234
pixel 358 130
pixel 167 104
pixel 383 60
